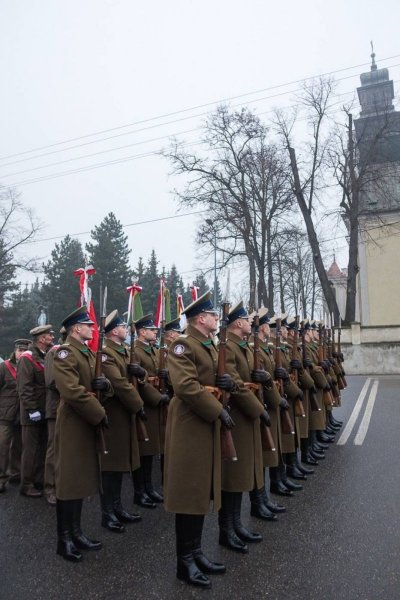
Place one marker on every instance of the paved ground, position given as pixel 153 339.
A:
pixel 338 540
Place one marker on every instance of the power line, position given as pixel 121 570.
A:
pixel 190 109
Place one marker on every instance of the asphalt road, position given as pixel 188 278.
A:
pixel 338 540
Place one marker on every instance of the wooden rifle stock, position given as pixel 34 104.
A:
pixel 141 430
pixel 286 421
pixel 101 447
pixel 228 451
pixel 311 395
pixel 339 349
pixel 267 440
pixel 162 365
pixel 298 403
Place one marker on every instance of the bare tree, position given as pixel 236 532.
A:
pixel 243 182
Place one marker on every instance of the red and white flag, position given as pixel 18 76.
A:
pixel 160 311
pixel 86 299
pixel 194 290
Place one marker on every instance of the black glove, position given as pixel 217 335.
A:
pixel 331 360
pixel 327 388
pixel 281 373
pixel 225 382
pixel 135 370
pixel 325 365
pixel 141 414
pixel 264 418
pixel 163 374
pixel 260 376
pixel 300 395
pixel 335 354
pixel 104 422
pixel 100 384
pixel 164 399
pixel 284 404
pixel 226 419
pixel 307 363
pixel 296 364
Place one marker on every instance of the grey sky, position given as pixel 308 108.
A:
pixel 73 68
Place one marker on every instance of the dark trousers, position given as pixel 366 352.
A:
pixel 34 445
pixel 49 476
pixel 10 450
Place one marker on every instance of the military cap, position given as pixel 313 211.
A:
pixel 305 324
pixel 113 320
pixel 237 312
pixel 22 344
pixel 313 324
pixel 41 329
pixel 263 315
pixel 202 304
pixel 80 315
pixel 283 319
pixel 290 322
pixel 174 325
pixel 145 322
pixel 272 322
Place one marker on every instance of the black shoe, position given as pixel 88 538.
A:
pixel 317 455
pixel 291 485
pixel 67 549
pixel 261 511
pixel 187 570
pixel 84 543
pixel 294 472
pixel 278 487
pixel 155 496
pixel 143 500
pixel 229 539
pixel 126 517
pixel 325 439
pixel 109 521
pixel 207 566
pixel 246 535
pixel 309 460
pixel 320 446
pixel 274 507
pixel 304 469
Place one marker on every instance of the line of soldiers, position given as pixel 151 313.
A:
pixel 119 421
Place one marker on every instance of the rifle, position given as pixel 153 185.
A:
pixel 101 447
pixel 339 349
pixel 228 451
pixel 313 401
pixel 286 421
pixel 298 403
pixel 161 365
pixel 141 430
pixel 335 357
pixel 326 394
pixel 267 440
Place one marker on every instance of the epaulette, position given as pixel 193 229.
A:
pixel 183 335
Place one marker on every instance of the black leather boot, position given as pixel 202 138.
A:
pixel 276 484
pixel 291 466
pixel 258 507
pixel 187 569
pixel 227 535
pixel 109 519
pixel 65 545
pixel 205 564
pixel 241 531
pixel 140 496
pixel 122 515
pixel 333 421
pixel 302 468
pixel 291 485
pixel 324 438
pixel 81 541
pixel 305 455
pixel 147 466
pixel 274 507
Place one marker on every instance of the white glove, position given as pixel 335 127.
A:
pixel 35 416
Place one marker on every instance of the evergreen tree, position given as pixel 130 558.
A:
pixel 61 293
pixel 219 293
pixel 139 271
pixel 151 285
pixel 109 255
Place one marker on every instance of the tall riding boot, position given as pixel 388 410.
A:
pixel 109 519
pixel 122 515
pixel 258 506
pixel 334 421
pixel 227 534
pixel 241 531
pixel 302 468
pixel 305 452
pixel 276 484
pixel 65 545
pixel 187 568
pixel 316 450
pixel 80 540
pixel 140 497
pixel 147 465
pixel 274 507
pixel 291 466
pixel 204 564
pixel 291 485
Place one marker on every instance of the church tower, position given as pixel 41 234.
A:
pixel 377 133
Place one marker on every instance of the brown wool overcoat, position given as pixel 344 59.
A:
pixel 76 460
pixel 30 384
pixel 121 437
pixel 9 399
pixel 272 398
pixel 192 471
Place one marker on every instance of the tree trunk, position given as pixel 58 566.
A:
pixel 352 267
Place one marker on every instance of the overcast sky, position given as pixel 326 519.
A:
pixel 73 68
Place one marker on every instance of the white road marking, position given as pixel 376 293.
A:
pixel 363 428
pixel 353 417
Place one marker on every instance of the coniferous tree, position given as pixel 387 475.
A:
pixel 151 285
pixel 61 293
pixel 109 255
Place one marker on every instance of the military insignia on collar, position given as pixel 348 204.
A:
pixel 104 357
pixel 63 354
pixel 179 349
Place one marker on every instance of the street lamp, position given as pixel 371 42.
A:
pixel 211 223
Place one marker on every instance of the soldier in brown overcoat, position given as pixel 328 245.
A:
pixel 121 438
pixel 192 444
pixel 79 413
pixel 147 356
pixel 32 394
pixel 246 410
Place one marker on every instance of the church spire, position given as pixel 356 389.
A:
pixel 373 65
